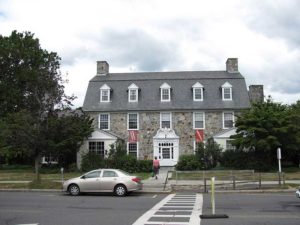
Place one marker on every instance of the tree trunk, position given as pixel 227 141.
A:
pixel 37 167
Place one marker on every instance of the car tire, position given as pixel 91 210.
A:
pixel 120 190
pixel 74 190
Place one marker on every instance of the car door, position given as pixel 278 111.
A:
pixel 90 182
pixel 109 180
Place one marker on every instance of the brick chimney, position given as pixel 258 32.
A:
pixel 232 65
pixel 256 93
pixel 102 68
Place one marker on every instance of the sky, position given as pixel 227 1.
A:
pixel 166 35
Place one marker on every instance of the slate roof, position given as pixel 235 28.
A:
pixel 181 91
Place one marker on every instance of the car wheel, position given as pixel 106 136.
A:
pixel 74 190
pixel 120 190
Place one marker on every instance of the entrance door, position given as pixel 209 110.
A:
pixel 166 153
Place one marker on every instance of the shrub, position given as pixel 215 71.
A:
pixel 188 162
pixel 91 161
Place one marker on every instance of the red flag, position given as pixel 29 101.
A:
pixel 133 136
pixel 199 134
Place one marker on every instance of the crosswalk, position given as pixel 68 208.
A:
pixel 175 209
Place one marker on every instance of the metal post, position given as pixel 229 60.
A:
pixel 259 181
pixel 279 178
pixel 205 187
pixel 62 176
pixel 233 182
pixel 213 195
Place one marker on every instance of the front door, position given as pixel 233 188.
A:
pixel 167 153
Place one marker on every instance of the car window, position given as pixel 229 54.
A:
pixel 93 174
pixel 109 173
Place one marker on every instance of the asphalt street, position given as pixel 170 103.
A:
pixel 53 208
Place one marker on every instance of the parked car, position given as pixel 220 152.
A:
pixel 298 193
pixel 103 180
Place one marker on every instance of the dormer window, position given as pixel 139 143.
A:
pixel 226 92
pixel 105 93
pixel 165 92
pixel 133 93
pixel 197 92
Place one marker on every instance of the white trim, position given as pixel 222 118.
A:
pixel 203 113
pixel 100 121
pixel 223 119
pixel 103 88
pixel 161 120
pixel 226 85
pixel 137 148
pixel 163 87
pixel 135 88
pixel 138 124
pixel 195 87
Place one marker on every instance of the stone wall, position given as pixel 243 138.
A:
pixel 149 123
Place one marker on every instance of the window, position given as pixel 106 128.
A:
pixel 229 145
pixel 132 149
pixel 97 147
pixel 199 120
pixel 104 121
pixel 93 174
pixel 133 93
pixel 109 173
pixel 165 120
pixel 105 93
pixel 133 119
pixel 228 120
pixel 165 92
pixel 198 92
pixel 226 91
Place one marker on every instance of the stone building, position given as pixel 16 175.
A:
pixel 164 114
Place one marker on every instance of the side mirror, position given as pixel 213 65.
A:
pixel 83 177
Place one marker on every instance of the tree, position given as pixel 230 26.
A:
pixel 265 127
pixel 31 87
pixel 208 154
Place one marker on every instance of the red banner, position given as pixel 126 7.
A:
pixel 132 136
pixel 199 135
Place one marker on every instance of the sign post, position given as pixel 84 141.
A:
pixel 279 164
pixel 213 208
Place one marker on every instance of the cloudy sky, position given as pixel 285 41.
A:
pixel 166 35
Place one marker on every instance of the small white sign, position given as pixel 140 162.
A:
pixel 278 153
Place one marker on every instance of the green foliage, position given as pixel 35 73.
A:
pixel 265 127
pixel 188 162
pixel 208 154
pixel 91 161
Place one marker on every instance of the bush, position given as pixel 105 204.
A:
pixel 91 161
pixel 188 162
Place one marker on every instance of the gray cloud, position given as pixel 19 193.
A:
pixel 277 20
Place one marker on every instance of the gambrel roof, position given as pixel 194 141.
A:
pixel 181 84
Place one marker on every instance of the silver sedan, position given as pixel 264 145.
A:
pixel 103 180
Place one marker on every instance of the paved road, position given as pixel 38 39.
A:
pixel 145 209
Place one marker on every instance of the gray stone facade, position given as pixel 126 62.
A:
pixel 149 124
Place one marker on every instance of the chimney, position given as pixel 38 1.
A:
pixel 256 93
pixel 102 68
pixel 232 65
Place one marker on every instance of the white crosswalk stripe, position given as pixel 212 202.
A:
pixel 175 209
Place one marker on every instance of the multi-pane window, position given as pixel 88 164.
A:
pixel 227 94
pixel 165 92
pixel 199 120
pixel 165 120
pixel 227 91
pixel 97 147
pixel 105 93
pixel 198 92
pixel 228 120
pixel 133 95
pixel 132 119
pixel 104 121
pixel 133 149
pixel 229 145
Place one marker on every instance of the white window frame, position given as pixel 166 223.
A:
pixel 105 88
pixel 133 88
pixel 194 121
pixel 224 127
pixel 137 148
pixel 99 121
pixel 227 86
pixel 128 121
pixel 165 87
pixel 197 86
pixel 170 114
